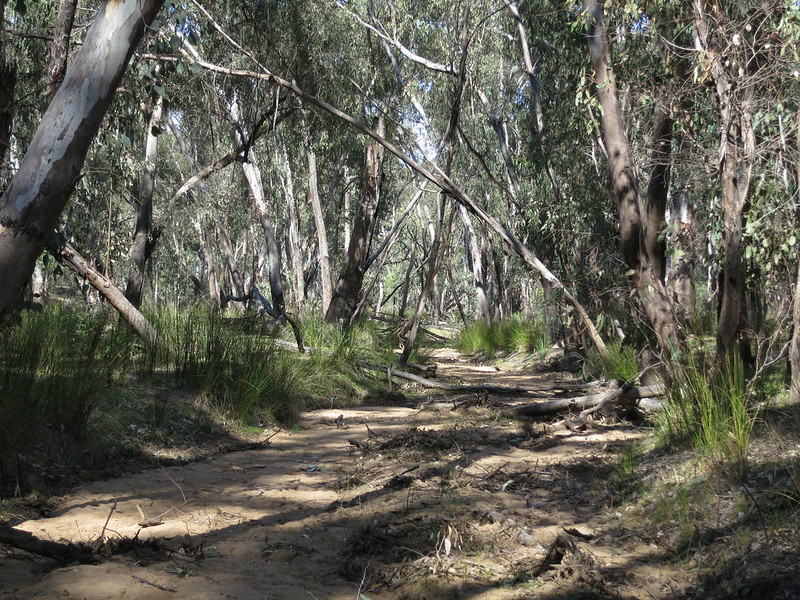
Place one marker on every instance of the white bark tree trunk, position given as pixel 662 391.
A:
pixel 30 207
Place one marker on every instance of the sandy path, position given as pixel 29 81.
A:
pixel 302 517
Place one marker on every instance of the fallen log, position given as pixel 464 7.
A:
pixel 481 387
pixel 618 393
pixel 65 553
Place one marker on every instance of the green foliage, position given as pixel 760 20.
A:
pixel 55 367
pixel 621 363
pixel 516 334
pixel 337 366
pixel 709 407
pixel 243 376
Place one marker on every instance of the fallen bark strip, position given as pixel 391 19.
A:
pixel 494 389
pixel 583 402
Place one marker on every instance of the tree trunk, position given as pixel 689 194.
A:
pixel 351 279
pixel 536 101
pixel 294 251
pixel 254 181
pixel 8 82
pixel 237 286
pixel 144 236
pixel 211 270
pixel 59 51
pixel 319 220
pixel 648 285
pixel 449 139
pixel 434 262
pixel 794 348
pixel 32 203
pixel 680 274
pixel 475 263
pixel 655 242
pixel 734 104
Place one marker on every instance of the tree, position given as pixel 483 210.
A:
pixel 646 272
pixel 31 205
pixel 348 286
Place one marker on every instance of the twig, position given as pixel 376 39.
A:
pixel 363 581
pixel 158 586
pixel 176 485
pixel 99 541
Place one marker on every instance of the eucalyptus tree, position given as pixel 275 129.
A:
pixel 32 203
pixel 643 260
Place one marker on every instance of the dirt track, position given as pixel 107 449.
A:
pixel 436 503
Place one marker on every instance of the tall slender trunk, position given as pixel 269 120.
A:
pixel 8 83
pixel 59 50
pixel 211 269
pixel 253 175
pixel 650 289
pixel 435 257
pixel 293 231
pixel 145 236
pixel 794 348
pixel 733 99
pixel 319 220
pixel 351 279
pixel 473 252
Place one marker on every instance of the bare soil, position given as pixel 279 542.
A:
pixel 443 499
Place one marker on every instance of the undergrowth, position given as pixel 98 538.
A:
pixel 621 362
pixel 709 407
pixel 58 367
pixel 515 334
pixel 55 368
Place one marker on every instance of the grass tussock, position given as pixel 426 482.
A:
pixel 620 363
pixel 516 334
pixel 709 407
pixel 56 367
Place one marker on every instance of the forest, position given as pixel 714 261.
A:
pixel 541 255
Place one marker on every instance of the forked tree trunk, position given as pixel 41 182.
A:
pixel 655 242
pixel 351 279
pixel 32 203
pixel 650 288
pixel 235 279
